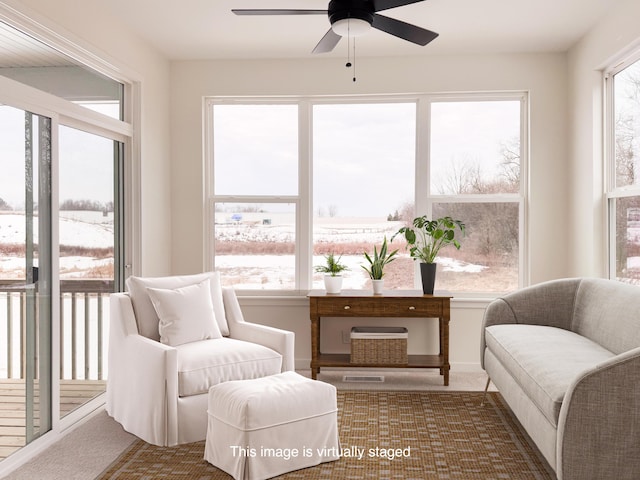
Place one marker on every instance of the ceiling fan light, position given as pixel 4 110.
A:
pixel 353 27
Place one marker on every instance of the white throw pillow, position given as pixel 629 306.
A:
pixel 146 315
pixel 186 314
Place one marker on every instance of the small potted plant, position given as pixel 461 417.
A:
pixel 332 270
pixel 377 264
pixel 425 238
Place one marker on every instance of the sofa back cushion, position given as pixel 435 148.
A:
pixel 146 315
pixel 608 312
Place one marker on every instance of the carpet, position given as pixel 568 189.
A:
pixel 405 435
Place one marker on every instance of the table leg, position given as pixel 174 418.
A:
pixel 445 345
pixel 315 346
pixel 440 342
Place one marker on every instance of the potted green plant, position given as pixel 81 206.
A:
pixel 377 264
pixel 332 270
pixel 425 238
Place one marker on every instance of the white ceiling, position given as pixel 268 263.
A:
pixel 206 29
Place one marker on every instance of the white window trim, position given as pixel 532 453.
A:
pixel 304 214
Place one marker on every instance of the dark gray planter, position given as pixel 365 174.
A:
pixel 428 274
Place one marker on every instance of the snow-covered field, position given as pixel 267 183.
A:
pixel 93 230
pixel 87 230
pixel 264 270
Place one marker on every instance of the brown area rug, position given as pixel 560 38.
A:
pixel 440 435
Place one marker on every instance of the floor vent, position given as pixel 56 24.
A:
pixel 363 378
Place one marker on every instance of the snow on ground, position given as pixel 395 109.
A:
pixel 91 231
pixel 94 230
pixel 77 229
pixel 277 271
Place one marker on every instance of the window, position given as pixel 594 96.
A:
pixel 476 152
pixel 295 179
pixel 363 177
pixel 624 172
pixel 256 185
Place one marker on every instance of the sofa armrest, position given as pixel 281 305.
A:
pixel 550 303
pixel 142 386
pixel 599 423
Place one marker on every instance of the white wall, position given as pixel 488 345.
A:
pixel 543 75
pixel 98 31
pixel 613 37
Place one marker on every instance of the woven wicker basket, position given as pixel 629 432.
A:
pixel 379 345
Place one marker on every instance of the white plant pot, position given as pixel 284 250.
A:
pixel 333 284
pixel 378 286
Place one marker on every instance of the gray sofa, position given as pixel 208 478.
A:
pixel 565 355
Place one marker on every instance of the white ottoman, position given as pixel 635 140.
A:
pixel 265 427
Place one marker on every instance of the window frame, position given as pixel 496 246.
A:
pixel 424 200
pixel 612 192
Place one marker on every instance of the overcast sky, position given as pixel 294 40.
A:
pixel 363 154
pixel 86 162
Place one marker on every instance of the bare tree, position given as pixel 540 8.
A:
pixel 492 228
pixel 461 176
pixel 510 165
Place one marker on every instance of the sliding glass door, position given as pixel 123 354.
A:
pixel 88 222
pixel 25 277
pixel 62 239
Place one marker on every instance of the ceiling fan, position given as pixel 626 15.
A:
pixel 354 18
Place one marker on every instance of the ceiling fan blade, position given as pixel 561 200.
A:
pixel 327 43
pixel 264 11
pixel 403 30
pixel 379 5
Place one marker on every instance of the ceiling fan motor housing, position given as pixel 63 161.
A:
pixel 356 9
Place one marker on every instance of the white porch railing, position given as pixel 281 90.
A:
pixel 84 314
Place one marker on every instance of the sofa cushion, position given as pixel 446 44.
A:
pixel 543 360
pixel 186 313
pixel 606 311
pixel 209 362
pixel 146 316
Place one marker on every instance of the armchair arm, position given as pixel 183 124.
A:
pixel 549 303
pixel 599 423
pixel 142 386
pixel 276 339
pixel 282 341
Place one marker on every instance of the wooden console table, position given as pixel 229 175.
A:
pixel 393 303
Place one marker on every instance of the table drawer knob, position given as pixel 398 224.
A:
pixel 347 307
pixel 412 308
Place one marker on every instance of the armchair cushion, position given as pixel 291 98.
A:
pixel 186 313
pixel 146 315
pixel 209 362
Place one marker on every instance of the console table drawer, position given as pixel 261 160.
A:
pixel 412 308
pixel 396 307
pixel 336 307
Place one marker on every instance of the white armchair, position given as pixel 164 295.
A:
pixel 158 391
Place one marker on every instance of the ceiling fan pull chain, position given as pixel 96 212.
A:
pixel 354 59
pixel 348 64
